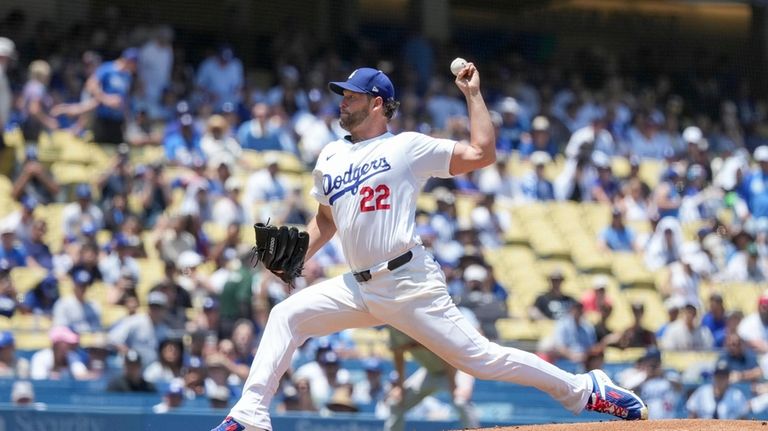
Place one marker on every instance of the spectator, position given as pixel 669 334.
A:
pixel 552 304
pixel 617 236
pixel 10 364
pixel 593 300
pixel 606 187
pixel 636 335
pixel 535 186
pixel 371 390
pixel 88 259
pixel 664 246
pixel 236 299
pixel 753 329
pixel 718 400
pixel 602 331
pixel 220 78
pixel 262 132
pixel 496 180
pixel 37 103
pixel 153 193
pixel 756 185
pixel 660 391
pixel 298 397
pixel 60 361
pixel 174 238
pixel 140 132
pixel 182 146
pixel 673 305
pixel 172 399
pixel 746 266
pixel 683 281
pixel 119 261
pixel 686 334
pixel 12 252
pixel 42 298
pixel 118 178
pixel 666 196
pixel 644 138
pixel 573 336
pixel 23 395
pixel 83 212
pixel 266 185
pixel 741 361
pixel 75 311
pixel 131 380
pixel 33 180
pixel 39 254
pixel 324 374
pixel 591 137
pixel 635 203
pixel 109 88
pixel 480 298
pixel 154 68
pixel 143 332
pixel 512 126
pixel 217 140
pixel 538 140
pixel 169 364
pixel 24 218
pixel 218 397
pixel 715 319
pixel 433 375
pixel 227 209
pixel 490 224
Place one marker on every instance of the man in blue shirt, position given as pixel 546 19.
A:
pixel 110 86
pixel 182 147
pixel 10 250
pixel 37 249
pixel 617 236
pixel 535 186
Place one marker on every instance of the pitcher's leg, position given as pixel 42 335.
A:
pixel 318 310
pixel 436 323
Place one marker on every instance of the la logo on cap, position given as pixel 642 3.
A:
pixel 375 89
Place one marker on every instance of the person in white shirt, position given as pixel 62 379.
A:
pixel 60 361
pixel 220 78
pixel 217 140
pixel 154 68
pixel 75 311
pixel 367 186
pixel 83 212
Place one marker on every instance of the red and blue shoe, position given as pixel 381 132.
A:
pixel 608 397
pixel 229 424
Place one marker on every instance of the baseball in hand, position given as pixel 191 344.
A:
pixel 458 64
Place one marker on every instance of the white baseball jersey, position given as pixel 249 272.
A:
pixel 372 187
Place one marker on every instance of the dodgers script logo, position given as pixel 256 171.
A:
pixel 351 179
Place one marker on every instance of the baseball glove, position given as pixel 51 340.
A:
pixel 281 250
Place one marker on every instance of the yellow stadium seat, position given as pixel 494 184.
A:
pixel 629 269
pixel 32 340
pixel 616 355
pixel 523 329
pixel 26 278
pixel 111 314
pixel 30 322
pixel 684 360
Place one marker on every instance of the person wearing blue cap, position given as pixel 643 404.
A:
pixel 109 87
pixel 8 301
pixel 367 185
pixel 82 212
pixel 75 311
pixel 9 363
pixel 41 298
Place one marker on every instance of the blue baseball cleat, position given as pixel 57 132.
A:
pixel 229 424
pixel 608 397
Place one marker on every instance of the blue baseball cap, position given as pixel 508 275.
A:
pixel 366 80
pixel 83 191
pixel 29 202
pixel 6 339
pixel 131 54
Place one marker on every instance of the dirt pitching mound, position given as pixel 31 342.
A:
pixel 665 425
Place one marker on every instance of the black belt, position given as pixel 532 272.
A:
pixel 392 265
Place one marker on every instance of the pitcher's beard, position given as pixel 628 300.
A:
pixel 351 120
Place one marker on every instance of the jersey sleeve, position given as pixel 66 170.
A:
pixel 428 156
pixel 317 187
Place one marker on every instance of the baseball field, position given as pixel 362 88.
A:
pixel 659 425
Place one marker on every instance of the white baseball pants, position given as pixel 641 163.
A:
pixel 413 298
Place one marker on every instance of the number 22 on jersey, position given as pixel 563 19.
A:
pixel 374 200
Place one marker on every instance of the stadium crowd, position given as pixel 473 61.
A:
pixel 224 132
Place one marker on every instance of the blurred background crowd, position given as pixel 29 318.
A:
pixel 625 221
